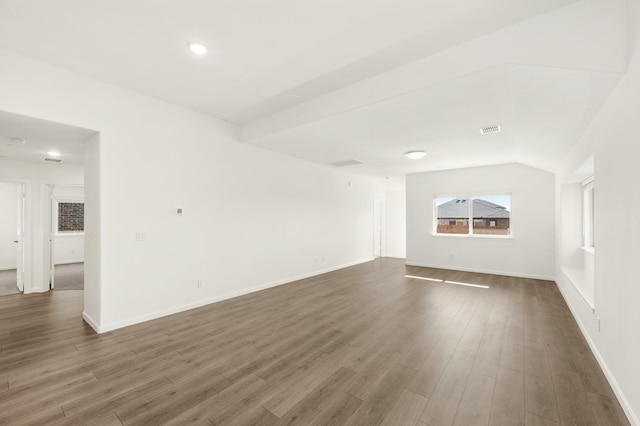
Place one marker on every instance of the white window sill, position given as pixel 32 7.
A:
pixel 479 236
pixel 70 234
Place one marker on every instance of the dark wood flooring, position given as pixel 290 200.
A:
pixel 359 346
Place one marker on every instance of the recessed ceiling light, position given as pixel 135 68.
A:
pixel 415 155
pixel 53 153
pixel 197 48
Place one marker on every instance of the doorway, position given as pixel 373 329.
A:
pixel 12 241
pixel 66 237
pixel 378 228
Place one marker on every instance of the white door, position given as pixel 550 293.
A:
pixel 20 237
pixel 51 227
pixel 377 228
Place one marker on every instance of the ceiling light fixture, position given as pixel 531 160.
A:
pixel 53 153
pixel 415 155
pixel 197 49
pixel 14 140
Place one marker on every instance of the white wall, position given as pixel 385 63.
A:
pixel 530 253
pixel 612 139
pixel 252 218
pixel 8 225
pixel 68 249
pixel 37 175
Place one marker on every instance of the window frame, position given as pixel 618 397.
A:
pixel 56 218
pixel 470 219
pixel 588 214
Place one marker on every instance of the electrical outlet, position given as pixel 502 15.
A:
pixel 141 236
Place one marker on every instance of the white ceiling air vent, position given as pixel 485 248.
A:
pixel 53 160
pixel 490 129
pixel 345 163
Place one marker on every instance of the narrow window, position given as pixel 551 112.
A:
pixel 588 198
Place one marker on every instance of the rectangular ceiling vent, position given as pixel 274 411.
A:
pixel 345 163
pixel 53 160
pixel 490 129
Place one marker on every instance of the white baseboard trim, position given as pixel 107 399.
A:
pixel 482 271
pixel 624 403
pixel 92 323
pixel 67 262
pixel 7 268
pixel 174 310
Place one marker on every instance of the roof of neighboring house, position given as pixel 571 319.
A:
pixel 459 209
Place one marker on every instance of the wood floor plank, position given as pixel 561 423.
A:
pixel 606 410
pixel 316 402
pixel 443 403
pixel 475 405
pixel 374 410
pixel 361 345
pixel 407 410
pixel 508 398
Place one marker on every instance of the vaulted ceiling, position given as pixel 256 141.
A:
pixel 329 80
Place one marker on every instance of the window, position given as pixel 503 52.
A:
pixel 588 192
pixel 70 218
pixel 487 214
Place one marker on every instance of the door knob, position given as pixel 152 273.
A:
pixel 15 241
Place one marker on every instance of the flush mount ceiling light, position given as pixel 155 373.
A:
pixel 415 155
pixel 14 140
pixel 53 153
pixel 197 49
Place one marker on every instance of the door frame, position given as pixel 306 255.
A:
pixel 379 220
pixel 27 231
pixel 50 200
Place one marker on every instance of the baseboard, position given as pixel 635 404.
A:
pixel 624 403
pixel 174 310
pixel 7 268
pixel 482 271
pixel 68 262
pixel 92 323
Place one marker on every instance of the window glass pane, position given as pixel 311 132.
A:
pixel 587 216
pixel 452 215
pixel 70 217
pixel 492 215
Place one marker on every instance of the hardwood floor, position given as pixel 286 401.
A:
pixel 359 346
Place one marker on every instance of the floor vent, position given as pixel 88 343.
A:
pixel 345 163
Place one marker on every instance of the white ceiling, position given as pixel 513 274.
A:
pixel 41 136
pixel 329 80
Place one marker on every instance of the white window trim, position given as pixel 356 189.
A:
pixel 588 226
pixel 55 217
pixel 434 230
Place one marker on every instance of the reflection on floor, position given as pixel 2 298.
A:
pixel 69 276
pixel 8 282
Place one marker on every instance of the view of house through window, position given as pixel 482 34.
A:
pixel 70 218
pixel 477 215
